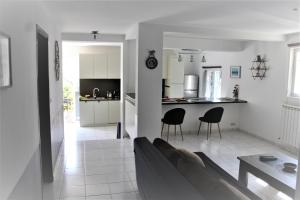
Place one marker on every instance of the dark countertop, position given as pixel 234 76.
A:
pixel 98 99
pixel 201 100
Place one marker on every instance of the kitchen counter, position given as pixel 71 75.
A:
pixel 99 99
pixel 201 101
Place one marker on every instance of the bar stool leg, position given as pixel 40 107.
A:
pixel 162 128
pixel 207 131
pixel 219 131
pixel 210 129
pixel 199 127
pixel 181 132
pixel 168 133
pixel 175 130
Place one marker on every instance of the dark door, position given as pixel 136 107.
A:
pixel 44 104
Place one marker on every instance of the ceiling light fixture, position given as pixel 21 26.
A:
pixel 179 58
pixel 95 34
pixel 192 58
pixel 203 60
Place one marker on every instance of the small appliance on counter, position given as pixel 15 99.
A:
pixel 108 94
pixel 191 85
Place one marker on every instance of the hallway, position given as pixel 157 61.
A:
pixel 94 166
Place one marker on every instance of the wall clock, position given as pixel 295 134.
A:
pixel 57 63
pixel 151 61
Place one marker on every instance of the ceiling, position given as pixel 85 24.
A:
pixel 118 16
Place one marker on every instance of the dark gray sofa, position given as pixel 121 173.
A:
pixel 158 179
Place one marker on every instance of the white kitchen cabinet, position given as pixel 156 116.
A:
pixel 175 71
pixel 165 67
pixel 114 65
pixel 86 113
pixel 130 119
pixel 114 111
pixel 100 66
pixel 86 63
pixel 175 91
pixel 101 112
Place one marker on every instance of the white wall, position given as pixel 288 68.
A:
pixel 18 105
pixel 176 42
pixel 261 116
pixel 131 50
pixel 148 101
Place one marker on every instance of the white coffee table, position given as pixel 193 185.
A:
pixel 270 171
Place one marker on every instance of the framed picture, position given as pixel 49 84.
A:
pixel 235 72
pixel 5 61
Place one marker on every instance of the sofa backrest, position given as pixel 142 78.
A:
pixel 157 178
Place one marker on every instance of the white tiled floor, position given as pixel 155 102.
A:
pixel 97 167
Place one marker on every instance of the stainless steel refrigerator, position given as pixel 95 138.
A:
pixel 191 83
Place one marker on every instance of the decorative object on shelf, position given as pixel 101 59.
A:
pixel 95 34
pixel 57 61
pixel 235 72
pixel 5 61
pixel 203 60
pixel 259 67
pixel 236 91
pixel 151 61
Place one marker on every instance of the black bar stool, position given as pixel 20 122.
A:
pixel 173 117
pixel 213 115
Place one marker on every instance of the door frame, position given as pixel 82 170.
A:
pixel 45 150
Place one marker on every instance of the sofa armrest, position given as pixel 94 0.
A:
pixel 211 165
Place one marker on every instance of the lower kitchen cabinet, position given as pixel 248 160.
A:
pixel 101 112
pixel 93 113
pixel 114 111
pixel 86 113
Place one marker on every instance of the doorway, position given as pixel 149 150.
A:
pixel 44 104
pixel 92 89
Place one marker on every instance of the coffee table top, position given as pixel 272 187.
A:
pixel 273 169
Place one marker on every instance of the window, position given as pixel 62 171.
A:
pixel 294 90
pixel 212 83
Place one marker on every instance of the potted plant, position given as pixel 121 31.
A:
pixel 236 91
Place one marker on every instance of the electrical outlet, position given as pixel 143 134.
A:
pixel 232 124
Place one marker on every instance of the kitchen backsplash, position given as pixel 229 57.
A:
pixel 104 85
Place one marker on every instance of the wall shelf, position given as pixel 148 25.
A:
pixel 259 68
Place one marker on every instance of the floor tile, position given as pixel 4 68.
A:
pixel 126 196
pixel 73 191
pixel 98 189
pixel 100 197
pixel 95 179
pixel 121 187
pixel 74 180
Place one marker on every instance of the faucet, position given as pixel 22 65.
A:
pixel 94 92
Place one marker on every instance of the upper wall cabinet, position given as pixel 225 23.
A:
pixel 100 66
pixel 114 65
pixel 86 63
